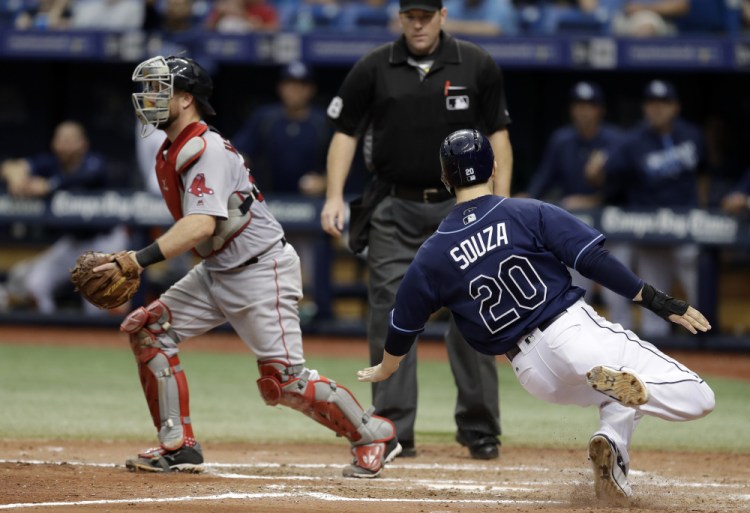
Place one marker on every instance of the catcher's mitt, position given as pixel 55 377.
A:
pixel 109 288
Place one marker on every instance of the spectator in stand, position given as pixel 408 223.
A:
pixel 44 15
pixel 69 167
pixel 481 17
pixel 307 15
pixel 285 144
pixel 738 200
pixel 174 27
pixel 573 151
pixel 170 17
pixel 552 17
pixel 113 15
pixel 361 15
pixel 646 18
pixel 656 167
pixel 241 16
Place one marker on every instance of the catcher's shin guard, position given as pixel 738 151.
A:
pixel 162 378
pixel 323 400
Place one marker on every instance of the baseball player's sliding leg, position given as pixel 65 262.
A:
pixel 165 387
pixel 625 376
pixel 373 438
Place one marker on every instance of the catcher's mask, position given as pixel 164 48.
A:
pixel 159 77
pixel 466 158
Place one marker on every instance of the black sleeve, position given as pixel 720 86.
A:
pixel 355 96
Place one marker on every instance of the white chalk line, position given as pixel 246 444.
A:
pixel 254 496
pixel 434 484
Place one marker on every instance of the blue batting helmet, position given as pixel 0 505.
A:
pixel 466 158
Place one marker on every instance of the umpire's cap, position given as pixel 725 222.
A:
pixel 190 77
pixel 424 5
pixel 466 158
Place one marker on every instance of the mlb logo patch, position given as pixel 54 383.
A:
pixel 470 219
pixel 457 102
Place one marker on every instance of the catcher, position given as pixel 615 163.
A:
pixel 249 276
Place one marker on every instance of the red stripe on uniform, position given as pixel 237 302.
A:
pixel 278 310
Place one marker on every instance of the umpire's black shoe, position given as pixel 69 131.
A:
pixel 184 459
pixel 481 446
pixel 407 449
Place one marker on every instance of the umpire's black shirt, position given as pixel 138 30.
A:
pixel 410 116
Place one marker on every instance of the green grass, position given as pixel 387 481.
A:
pixel 53 392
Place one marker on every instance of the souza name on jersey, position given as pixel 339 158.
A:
pixel 478 244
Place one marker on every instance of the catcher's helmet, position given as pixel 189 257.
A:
pixel 190 77
pixel 159 77
pixel 466 158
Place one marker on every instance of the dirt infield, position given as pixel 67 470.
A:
pixel 76 477
pixel 65 476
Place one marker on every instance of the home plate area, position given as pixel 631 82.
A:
pixel 84 476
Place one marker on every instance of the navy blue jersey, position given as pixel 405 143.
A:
pixel 500 265
pixel 744 184
pixel 659 170
pixel 90 176
pixel 564 161
pixel 281 149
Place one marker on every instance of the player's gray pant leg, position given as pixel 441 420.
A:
pixel 388 257
pixel 475 374
pixel 398 230
pixel 51 269
pixel 662 267
pixel 48 270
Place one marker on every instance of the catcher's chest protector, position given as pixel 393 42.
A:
pixel 179 155
pixel 184 152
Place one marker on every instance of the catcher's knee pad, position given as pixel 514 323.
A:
pixel 162 378
pixel 145 326
pixel 323 400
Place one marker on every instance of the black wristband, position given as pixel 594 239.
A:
pixel 151 254
pixel 660 303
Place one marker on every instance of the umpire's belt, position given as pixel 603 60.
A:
pixel 256 258
pixel 430 195
pixel 513 351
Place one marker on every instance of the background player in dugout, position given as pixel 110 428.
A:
pixel 69 166
pixel 407 96
pixel 249 276
pixel 657 166
pixel 574 152
pixel 501 266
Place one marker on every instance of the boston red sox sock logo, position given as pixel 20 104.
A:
pixel 198 187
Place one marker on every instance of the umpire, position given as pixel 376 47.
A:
pixel 406 97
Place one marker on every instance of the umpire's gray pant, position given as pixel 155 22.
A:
pixel 398 229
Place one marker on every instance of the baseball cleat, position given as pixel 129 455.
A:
pixel 610 472
pixel 369 459
pixel 184 459
pixel 621 385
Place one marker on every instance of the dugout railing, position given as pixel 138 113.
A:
pixel 716 233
